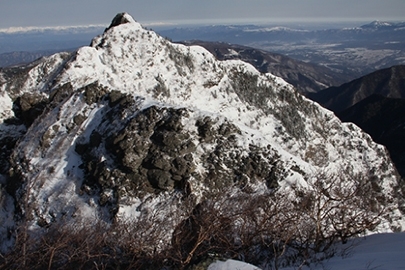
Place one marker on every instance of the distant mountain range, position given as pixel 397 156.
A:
pixel 389 82
pixel 46 39
pixel 354 51
pixel 23 57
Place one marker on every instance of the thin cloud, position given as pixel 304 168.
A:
pixel 24 13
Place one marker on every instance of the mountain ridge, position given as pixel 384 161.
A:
pixel 387 82
pixel 306 77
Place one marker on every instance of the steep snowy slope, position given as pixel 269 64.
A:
pixel 383 251
pixel 134 122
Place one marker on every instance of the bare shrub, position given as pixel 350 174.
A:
pixel 269 229
pixel 334 208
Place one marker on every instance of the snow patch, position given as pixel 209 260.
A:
pixel 231 265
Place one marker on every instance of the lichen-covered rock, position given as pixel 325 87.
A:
pixel 156 149
pixel 149 153
pixel 29 106
pixel 61 93
pixel 93 93
pixel 205 129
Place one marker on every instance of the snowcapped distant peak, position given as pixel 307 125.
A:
pixel 274 29
pixel 380 23
pixel 377 24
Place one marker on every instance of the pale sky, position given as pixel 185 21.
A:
pixel 22 13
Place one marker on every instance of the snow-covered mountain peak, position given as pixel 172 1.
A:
pixel 132 59
pixel 380 25
pixel 134 121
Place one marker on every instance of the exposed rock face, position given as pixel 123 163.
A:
pixel 153 151
pixel 134 124
pixel 120 18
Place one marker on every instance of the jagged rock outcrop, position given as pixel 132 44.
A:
pixel 120 18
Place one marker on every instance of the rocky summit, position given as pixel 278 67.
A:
pixel 134 124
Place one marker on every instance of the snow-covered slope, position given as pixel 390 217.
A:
pixel 383 251
pixel 134 121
